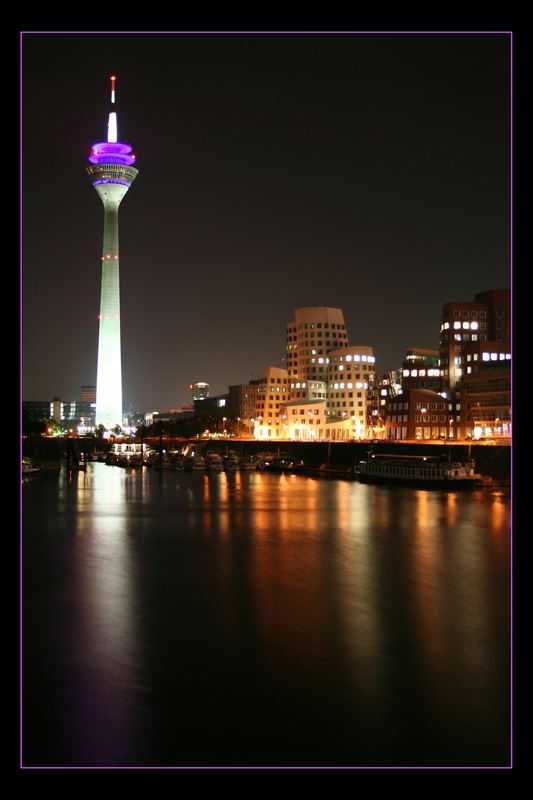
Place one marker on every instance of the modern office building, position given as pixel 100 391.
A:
pixel 350 373
pixel 486 395
pixel 272 391
pixel 36 410
pixel 242 404
pixel 111 172
pixel 327 382
pixel 472 335
pixel 421 370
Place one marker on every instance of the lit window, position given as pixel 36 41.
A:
pixel 456 325
pixel 486 356
pixel 406 373
pixel 348 358
pixel 473 325
pixel 466 325
pixel 446 325
pixel 494 356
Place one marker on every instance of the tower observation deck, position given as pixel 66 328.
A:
pixel 111 172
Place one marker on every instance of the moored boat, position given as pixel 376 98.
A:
pixel 29 467
pixel 427 471
pixel 284 463
pixel 194 462
pixel 128 454
pixel 213 462
pixel 231 461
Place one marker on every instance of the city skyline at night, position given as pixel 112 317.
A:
pixel 368 172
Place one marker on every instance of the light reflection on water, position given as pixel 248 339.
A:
pixel 184 611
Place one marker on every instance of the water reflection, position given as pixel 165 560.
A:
pixel 106 657
pixel 250 616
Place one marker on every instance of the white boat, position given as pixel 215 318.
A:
pixel 128 454
pixel 428 471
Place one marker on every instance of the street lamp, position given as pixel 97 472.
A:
pixel 224 424
pixel 238 427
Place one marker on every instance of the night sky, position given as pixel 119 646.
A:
pixel 365 172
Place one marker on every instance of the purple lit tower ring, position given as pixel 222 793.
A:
pixel 111 172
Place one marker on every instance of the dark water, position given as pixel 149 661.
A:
pixel 253 619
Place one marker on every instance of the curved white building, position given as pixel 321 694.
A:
pixel 314 332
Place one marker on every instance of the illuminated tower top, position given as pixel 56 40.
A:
pixel 112 151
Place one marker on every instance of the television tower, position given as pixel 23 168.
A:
pixel 111 172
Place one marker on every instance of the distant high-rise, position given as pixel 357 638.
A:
pixel 112 172
pixel 88 394
pixel 200 390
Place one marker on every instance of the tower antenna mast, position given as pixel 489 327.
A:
pixel 112 128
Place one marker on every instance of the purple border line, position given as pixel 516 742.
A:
pixel 511 451
pixel 259 32
pixel 376 767
pixel 20 408
pixel 266 768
